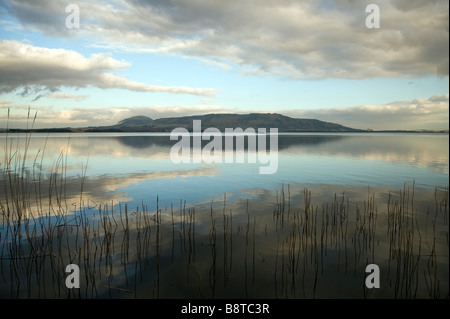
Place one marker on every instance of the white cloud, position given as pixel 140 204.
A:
pixel 36 69
pixel 4 104
pixel 83 117
pixel 421 113
pixel 62 95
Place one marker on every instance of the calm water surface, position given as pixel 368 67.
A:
pixel 139 225
pixel 138 166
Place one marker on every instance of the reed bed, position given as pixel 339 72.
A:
pixel 132 253
pixel 240 249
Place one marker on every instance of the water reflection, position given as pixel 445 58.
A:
pixel 416 149
pixel 427 150
pixel 140 226
pixel 289 243
pixel 130 167
pixel 285 141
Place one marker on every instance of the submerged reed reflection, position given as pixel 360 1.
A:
pixel 251 251
pixel 298 241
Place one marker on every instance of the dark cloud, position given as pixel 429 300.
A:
pixel 37 97
pixel 304 40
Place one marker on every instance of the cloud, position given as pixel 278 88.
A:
pixel 83 117
pixel 38 70
pixel 4 104
pixel 10 26
pixel 62 95
pixel 296 39
pixel 421 113
pixel 112 115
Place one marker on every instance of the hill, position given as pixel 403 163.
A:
pixel 135 121
pixel 220 121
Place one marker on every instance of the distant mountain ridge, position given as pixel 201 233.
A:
pixel 135 121
pixel 283 123
pixel 221 121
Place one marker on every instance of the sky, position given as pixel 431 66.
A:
pixel 306 59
